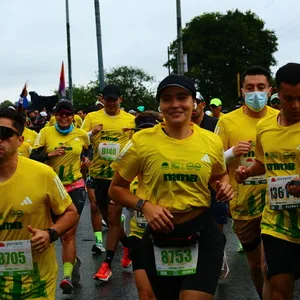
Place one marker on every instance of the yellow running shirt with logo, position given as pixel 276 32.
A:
pixel 67 166
pixel 24 150
pixel 27 199
pixel 77 121
pixel 278 148
pixel 174 173
pixel 249 198
pixel 29 136
pixel 137 229
pixel 108 143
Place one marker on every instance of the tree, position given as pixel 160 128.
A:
pixel 135 86
pixel 6 104
pixel 219 46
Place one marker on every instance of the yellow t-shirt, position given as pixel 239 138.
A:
pixel 77 121
pixel 25 150
pixel 174 173
pixel 27 199
pixel 67 166
pixel 249 198
pixel 278 148
pixel 29 136
pixel 136 230
pixel 108 143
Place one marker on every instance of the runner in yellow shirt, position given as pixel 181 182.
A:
pixel 28 267
pixel 237 132
pixel 29 139
pixel 182 242
pixel 108 138
pixel 61 146
pixel 278 156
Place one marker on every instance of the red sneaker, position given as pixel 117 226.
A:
pixel 104 272
pixel 126 261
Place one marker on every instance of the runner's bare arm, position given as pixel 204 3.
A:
pixel 256 169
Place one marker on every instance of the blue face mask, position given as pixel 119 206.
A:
pixel 64 131
pixel 256 101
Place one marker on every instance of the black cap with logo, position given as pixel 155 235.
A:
pixel 111 91
pixel 177 80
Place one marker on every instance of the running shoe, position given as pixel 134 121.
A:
pixel 126 261
pixel 104 273
pixel 76 274
pixel 66 285
pixel 98 248
pixel 225 268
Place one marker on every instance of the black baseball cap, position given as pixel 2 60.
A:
pixel 177 80
pixel 64 105
pixel 111 91
pixel 145 121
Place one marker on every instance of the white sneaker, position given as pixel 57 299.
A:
pixel 225 268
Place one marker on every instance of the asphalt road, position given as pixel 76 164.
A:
pixel 237 286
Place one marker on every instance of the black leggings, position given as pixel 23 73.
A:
pixel 211 245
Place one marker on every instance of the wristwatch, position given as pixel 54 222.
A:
pixel 53 234
pixel 139 205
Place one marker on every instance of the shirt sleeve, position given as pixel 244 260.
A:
pixel 86 125
pixel 78 121
pixel 259 152
pixel 40 140
pixel 58 197
pixel 86 140
pixel 219 166
pixel 128 163
pixel 222 132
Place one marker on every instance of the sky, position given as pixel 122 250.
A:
pixel 134 33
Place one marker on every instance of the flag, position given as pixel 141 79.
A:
pixel 23 101
pixel 62 84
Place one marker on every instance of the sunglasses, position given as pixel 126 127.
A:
pixel 7 132
pixel 65 114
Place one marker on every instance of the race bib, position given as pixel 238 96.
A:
pixel 15 258
pixel 255 180
pixel 108 151
pixel 176 261
pixel 279 196
pixel 140 219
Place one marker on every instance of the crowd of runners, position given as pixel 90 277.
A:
pixel 182 171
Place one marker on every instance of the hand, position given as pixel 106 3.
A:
pixel 158 217
pixel 241 148
pixel 224 191
pixel 241 174
pixel 85 163
pixel 294 190
pixel 58 152
pixel 40 239
pixel 97 129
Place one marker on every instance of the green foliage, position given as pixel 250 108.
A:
pixel 221 45
pixel 135 85
pixel 6 104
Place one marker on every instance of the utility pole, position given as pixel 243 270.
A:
pixel 99 45
pixel 69 51
pixel 169 69
pixel 180 62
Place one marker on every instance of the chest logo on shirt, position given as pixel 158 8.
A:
pixel 26 201
pixel 180 177
pixel 175 165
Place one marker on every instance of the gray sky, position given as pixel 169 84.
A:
pixel 134 32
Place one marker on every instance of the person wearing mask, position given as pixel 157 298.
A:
pixel 61 147
pixel 182 241
pixel 237 131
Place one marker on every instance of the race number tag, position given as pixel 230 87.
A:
pixel 262 179
pixel 15 258
pixel 108 151
pixel 176 261
pixel 279 196
pixel 140 219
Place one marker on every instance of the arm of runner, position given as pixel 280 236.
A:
pixel 241 148
pixel 221 185
pixel 159 218
pixel 293 187
pixel 242 172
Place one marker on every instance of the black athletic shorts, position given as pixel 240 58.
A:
pixel 101 187
pixel 210 257
pixel 282 257
pixel 135 253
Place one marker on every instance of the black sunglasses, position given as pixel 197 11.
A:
pixel 7 132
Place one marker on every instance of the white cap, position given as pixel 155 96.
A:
pixel 199 96
pixel 99 102
pixel 11 107
pixel 132 111
pixel 43 114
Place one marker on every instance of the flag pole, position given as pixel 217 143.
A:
pixel 69 51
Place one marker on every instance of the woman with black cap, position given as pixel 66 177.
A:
pixel 182 246
pixel 61 147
